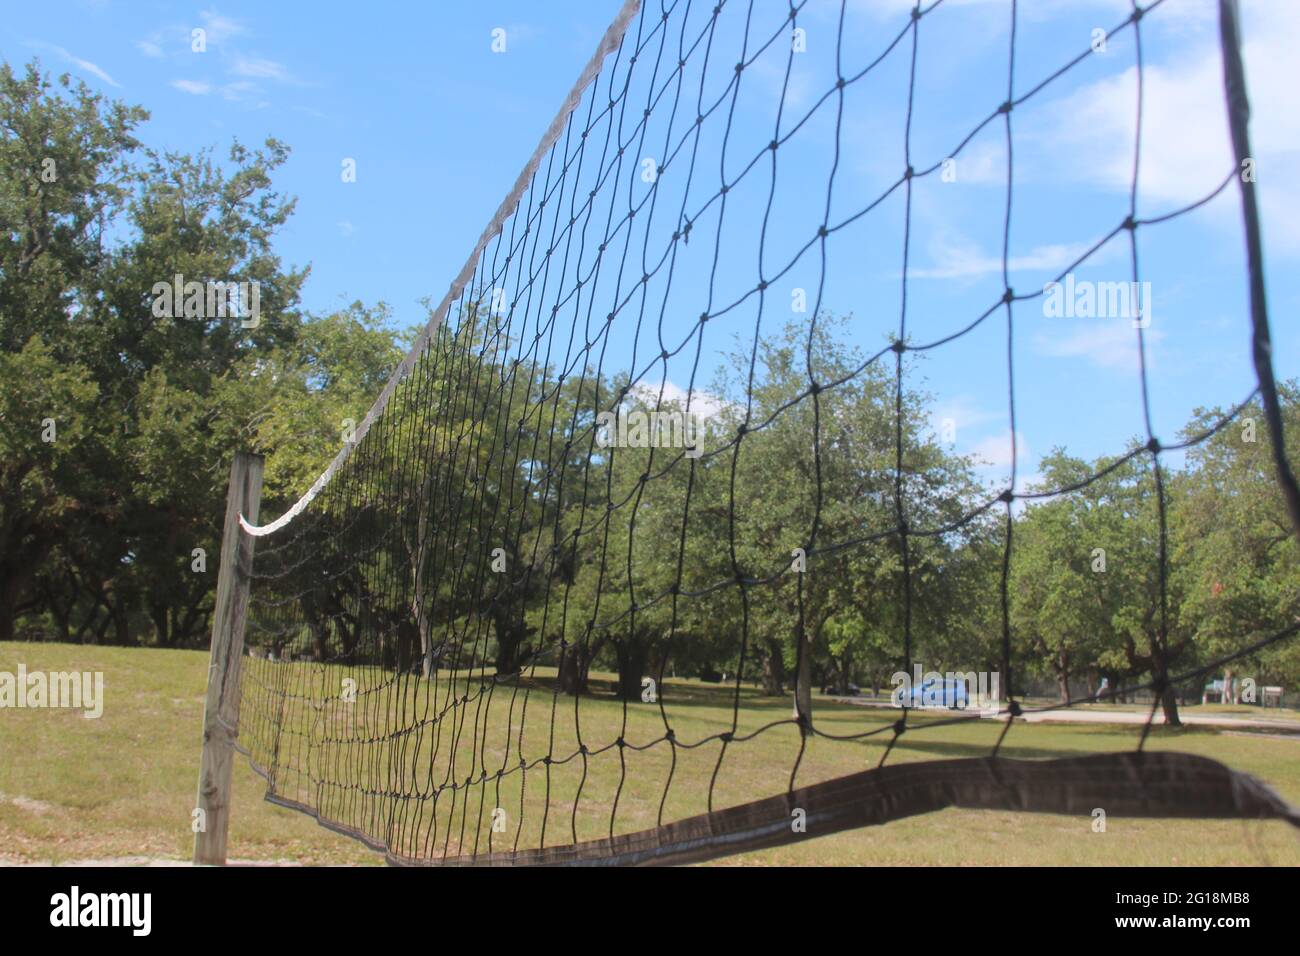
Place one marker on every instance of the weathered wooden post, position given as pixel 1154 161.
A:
pixel 221 711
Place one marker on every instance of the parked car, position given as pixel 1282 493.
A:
pixel 938 692
pixel 852 690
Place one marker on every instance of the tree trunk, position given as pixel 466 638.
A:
pixel 320 635
pixel 121 626
pixel 803 682
pixel 1169 704
pixel 774 671
pixel 1004 685
pixel 574 667
pixel 1063 675
pixel 1229 688
pixel 510 636
pixel 632 659
pixel 161 623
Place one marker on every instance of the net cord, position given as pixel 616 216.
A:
pixel 608 43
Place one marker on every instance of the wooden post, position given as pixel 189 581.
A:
pixel 221 712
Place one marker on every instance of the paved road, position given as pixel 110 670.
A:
pixel 1290 728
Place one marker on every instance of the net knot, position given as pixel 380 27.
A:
pixel 1129 223
pixel 1153 446
pixel 726 736
pixel 899 346
pixel 1013 708
pixel 1006 496
pixel 1005 107
pixel 900 726
pixel 1009 296
pixel 823 232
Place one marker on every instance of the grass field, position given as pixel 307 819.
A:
pixel 123 785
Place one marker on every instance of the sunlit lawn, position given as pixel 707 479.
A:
pixel 124 785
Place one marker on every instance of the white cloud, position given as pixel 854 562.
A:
pixel 1106 343
pixel 260 69
pixel 1186 150
pixel 195 87
pixel 957 258
pixel 982 163
pixel 346 228
pixel 149 48
pixel 219 28
pixel 1039 9
pixel 964 412
pixel 702 403
pixel 84 65
pixel 992 457
pixel 770 71
pixel 995 450
pixel 241 90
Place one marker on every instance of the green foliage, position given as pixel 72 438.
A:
pixel 99 527
pixel 495 527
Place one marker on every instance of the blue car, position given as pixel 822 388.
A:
pixel 938 693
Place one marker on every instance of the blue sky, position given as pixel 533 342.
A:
pixel 440 125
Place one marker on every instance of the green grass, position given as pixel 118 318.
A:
pixel 123 785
